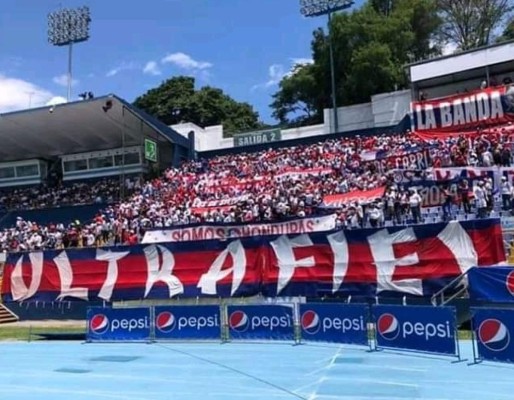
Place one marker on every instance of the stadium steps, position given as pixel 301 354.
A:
pixel 6 315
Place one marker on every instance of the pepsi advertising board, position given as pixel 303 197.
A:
pixel 418 328
pixel 187 322
pixel 256 322
pixel 337 323
pixel 118 324
pixel 492 330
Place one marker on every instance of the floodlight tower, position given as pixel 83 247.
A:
pixel 67 27
pixel 316 8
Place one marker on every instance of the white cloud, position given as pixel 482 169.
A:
pixel 124 66
pixel 185 61
pixel 56 100
pixel 17 94
pixel 277 72
pixel 301 61
pixel 62 80
pixel 151 68
pixel 449 48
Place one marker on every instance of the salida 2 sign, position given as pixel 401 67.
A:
pixel 416 260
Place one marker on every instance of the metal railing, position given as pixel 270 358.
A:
pixel 460 289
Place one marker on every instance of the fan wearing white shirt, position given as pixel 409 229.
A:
pixel 415 206
pixel 480 199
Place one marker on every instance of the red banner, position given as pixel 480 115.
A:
pixel 464 112
pixel 338 200
pixel 415 260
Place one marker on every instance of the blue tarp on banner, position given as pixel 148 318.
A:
pixel 187 322
pixel 493 284
pixel 118 324
pixel 492 330
pixel 255 322
pixel 337 323
pixel 417 328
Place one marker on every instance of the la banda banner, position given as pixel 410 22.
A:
pixel 426 329
pixel 492 334
pixel 469 111
pixel 394 261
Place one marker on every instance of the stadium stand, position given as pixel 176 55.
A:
pixel 268 185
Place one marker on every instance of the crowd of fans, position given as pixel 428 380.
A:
pixel 40 197
pixel 263 186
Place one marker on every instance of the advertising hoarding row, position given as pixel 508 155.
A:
pixel 425 329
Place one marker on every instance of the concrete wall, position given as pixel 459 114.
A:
pixel 390 108
pixel 386 109
pixel 211 138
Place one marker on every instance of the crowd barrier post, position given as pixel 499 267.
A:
pixel 474 341
pixel 152 325
pixel 224 336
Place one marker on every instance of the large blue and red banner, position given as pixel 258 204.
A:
pixel 494 284
pixel 416 260
pixel 463 112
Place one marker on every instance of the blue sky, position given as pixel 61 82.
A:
pixel 241 46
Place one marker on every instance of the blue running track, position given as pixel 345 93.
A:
pixel 237 371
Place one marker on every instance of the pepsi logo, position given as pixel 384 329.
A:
pixel 165 322
pixel 494 335
pixel 510 283
pixel 388 326
pixel 99 324
pixel 238 321
pixel 310 322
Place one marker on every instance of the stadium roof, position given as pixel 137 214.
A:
pixel 463 65
pixel 79 127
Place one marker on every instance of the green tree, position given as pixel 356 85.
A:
pixel 371 45
pixel 508 32
pixel 176 100
pixel 384 7
pixel 472 23
pixel 299 100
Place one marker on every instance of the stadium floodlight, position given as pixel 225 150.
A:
pixel 317 8
pixel 67 27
